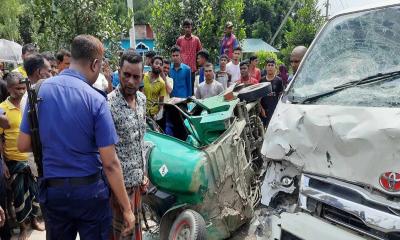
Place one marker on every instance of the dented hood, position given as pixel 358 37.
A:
pixel 356 144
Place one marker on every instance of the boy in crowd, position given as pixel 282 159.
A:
pixel 253 69
pixel 154 88
pixel 202 58
pixel 181 73
pixel 149 59
pixel 222 76
pixel 233 67
pixel 63 59
pixel 245 75
pixel 189 45
pixel 210 87
pixel 269 103
pixel 169 82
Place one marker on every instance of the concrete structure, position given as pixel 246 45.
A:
pixel 144 39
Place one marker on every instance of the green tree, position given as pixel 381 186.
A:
pixel 209 18
pixel 9 23
pixel 212 23
pixel 263 17
pixel 54 23
pixel 166 19
pixel 306 22
pixel 264 56
pixel 142 11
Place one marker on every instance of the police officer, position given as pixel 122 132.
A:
pixel 78 138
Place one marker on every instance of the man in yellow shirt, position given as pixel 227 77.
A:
pixel 154 89
pixel 27 49
pixel 23 184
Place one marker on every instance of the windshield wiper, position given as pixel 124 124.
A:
pixel 371 79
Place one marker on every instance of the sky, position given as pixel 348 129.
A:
pixel 339 5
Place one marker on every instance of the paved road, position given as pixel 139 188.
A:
pixel 241 235
pixel 35 235
pixel 244 233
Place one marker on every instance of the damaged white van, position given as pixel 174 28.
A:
pixel 333 143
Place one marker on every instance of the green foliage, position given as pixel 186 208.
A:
pixel 263 17
pixel 209 18
pixel 166 19
pixel 215 15
pixel 9 23
pixel 306 23
pixel 52 24
pixel 26 27
pixel 263 56
pixel 142 11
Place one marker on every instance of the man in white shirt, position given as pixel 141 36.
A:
pixel 210 87
pixel 233 67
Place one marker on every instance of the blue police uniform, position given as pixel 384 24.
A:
pixel 74 122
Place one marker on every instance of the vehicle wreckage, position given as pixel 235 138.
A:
pixel 333 143
pixel 206 184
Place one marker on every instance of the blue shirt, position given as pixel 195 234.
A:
pixel 182 81
pixel 201 75
pixel 74 122
pixel 115 79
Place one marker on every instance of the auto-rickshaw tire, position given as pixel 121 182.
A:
pixel 196 224
pixel 254 92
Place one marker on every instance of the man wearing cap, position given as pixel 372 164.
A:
pixel 229 41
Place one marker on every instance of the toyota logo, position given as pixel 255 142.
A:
pixel 390 181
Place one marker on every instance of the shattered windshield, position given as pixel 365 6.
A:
pixel 350 48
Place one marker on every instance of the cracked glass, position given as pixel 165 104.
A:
pixel 352 47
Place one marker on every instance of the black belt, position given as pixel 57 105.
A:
pixel 73 181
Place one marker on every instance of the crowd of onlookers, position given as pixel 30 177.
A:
pixel 187 72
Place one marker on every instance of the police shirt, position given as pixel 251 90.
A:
pixel 74 122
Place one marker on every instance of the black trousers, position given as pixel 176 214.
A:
pixel 5 231
pixel 193 80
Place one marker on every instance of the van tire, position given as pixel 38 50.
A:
pixel 190 224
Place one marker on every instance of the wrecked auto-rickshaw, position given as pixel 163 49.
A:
pixel 207 184
pixel 333 143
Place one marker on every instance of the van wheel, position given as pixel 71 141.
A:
pixel 254 92
pixel 189 225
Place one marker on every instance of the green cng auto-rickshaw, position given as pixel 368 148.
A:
pixel 206 184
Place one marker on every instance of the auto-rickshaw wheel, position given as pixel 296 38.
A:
pixel 189 225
